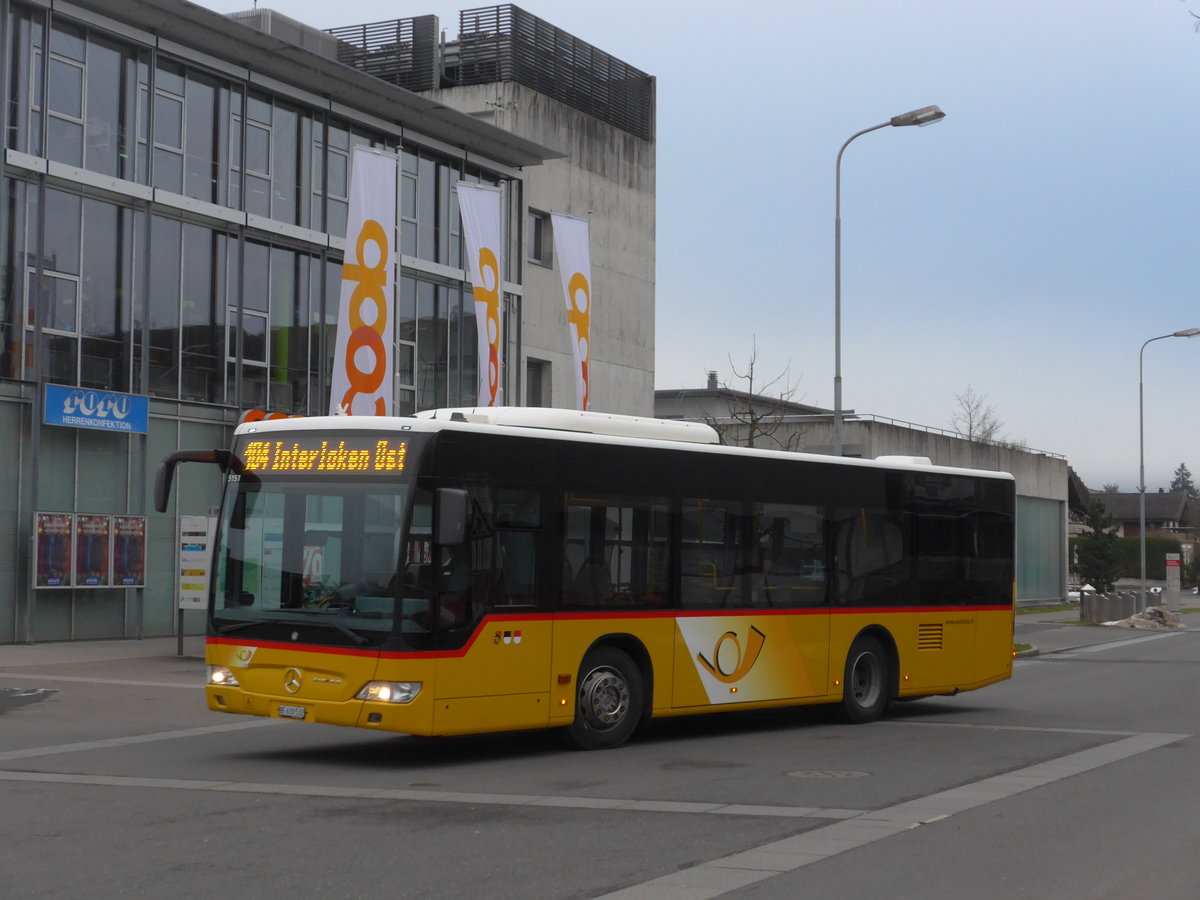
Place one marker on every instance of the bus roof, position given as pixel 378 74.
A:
pixel 590 427
pixel 608 424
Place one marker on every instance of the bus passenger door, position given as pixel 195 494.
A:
pixel 487 590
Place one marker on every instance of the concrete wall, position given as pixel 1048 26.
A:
pixel 1037 474
pixel 607 178
pixel 1109 607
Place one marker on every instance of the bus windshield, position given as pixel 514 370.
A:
pixel 320 551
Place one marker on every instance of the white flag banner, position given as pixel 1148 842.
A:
pixel 362 359
pixel 480 208
pixel 571 244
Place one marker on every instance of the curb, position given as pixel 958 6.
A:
pixel 1037 651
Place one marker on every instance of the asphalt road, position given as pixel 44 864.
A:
pixel 1078 778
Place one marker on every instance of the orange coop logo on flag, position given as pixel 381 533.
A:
pixel 362 361
pixel 572 246
pixel 479 206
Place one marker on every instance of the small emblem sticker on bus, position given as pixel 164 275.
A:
pixel 241 657
pixel 506 637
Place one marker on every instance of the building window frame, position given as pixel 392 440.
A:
pixel 539 241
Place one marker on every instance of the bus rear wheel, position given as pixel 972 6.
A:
pixel 866 688
pixel 608 704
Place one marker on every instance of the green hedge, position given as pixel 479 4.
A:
pixel 1131 560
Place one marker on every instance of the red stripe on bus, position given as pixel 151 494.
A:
pixel 597 616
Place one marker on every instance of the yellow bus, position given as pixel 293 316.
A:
pixel 468 571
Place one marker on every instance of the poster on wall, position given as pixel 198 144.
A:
pixel 91 550
pixel 129 551
pixel 52 555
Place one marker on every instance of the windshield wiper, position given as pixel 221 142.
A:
pixel 238 626
pixel 336 626
pixel 353 635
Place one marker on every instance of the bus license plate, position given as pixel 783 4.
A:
pixel 292 712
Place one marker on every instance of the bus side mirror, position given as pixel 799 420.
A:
pixel 450 528
pixel 166 470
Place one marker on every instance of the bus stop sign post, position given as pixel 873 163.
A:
pixel 195 540
pixel 1172 588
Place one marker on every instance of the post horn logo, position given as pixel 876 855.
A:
pixel 728 667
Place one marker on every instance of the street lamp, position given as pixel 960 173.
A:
pixel 926 115
pixel 1185 333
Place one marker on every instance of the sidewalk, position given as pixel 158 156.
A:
pixel 1058 631
pixel 13 656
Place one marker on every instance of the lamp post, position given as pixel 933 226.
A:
pixel 1184 333
pixel 926 115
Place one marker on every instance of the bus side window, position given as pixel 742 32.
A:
pixel 513 567
pixel 616 551
pixel 792 541
pixel 585 552
pixel 873 565
pixel 714 572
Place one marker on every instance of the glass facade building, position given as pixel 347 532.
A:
pixel 171 227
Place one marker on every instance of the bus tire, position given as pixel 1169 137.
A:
pixel 866 688
pixel 609 699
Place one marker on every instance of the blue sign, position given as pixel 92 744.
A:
pixel 105 410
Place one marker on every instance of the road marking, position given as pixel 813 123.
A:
pixel 977 725
pixel 33 752
pixel 435 796
pixel 729 873
pixel 29 676
pixel 1096 648
pixel 424 796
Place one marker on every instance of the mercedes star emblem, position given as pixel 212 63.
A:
pixel 291 680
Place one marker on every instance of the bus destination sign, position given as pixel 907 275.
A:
pixel 326 456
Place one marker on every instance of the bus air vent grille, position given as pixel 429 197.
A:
pixel 929 636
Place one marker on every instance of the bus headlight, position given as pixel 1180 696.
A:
pixel 390 691
pixel 222 676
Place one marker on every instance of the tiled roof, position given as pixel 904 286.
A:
pixel 1160 507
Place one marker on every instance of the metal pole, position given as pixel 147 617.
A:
pixel 1182 333
pixel 837 310
pixel 1142 469
pixel 837 289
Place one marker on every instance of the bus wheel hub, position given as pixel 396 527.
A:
pixel 604 697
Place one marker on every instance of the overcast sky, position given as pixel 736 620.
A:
pixel 1024 247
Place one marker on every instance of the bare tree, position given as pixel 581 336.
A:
pixel 1195 24
pixel 754 414
pixel 975 419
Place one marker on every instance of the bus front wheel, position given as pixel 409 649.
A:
pixel 866 689
pixel 608 703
